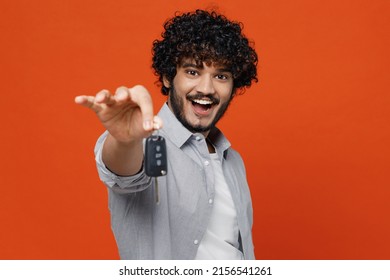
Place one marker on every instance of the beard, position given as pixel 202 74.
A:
pixel 177 105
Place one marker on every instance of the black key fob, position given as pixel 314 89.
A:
pixel 155 156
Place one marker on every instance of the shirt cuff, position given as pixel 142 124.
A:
pixel 127 184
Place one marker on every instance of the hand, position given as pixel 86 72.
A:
pixel 127 115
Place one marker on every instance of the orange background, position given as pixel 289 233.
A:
pixel 314 132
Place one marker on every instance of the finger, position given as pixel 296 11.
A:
pixel 142 98
pixel 104 97
pixel 88 102
pixel 157 123
pixel 122 94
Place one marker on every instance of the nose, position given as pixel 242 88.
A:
pixel 205 85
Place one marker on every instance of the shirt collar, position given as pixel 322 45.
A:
pixel 179 135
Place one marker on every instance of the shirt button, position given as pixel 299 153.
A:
pixel 206 163
pixel 198 138
pixel 210 201
pixel 196 241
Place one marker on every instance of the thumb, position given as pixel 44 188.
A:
pixel 140 96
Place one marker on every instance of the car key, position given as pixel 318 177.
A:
pixel 155 156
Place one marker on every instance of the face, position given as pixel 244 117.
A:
pixel 200 95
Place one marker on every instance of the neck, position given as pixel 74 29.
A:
pixel 210 146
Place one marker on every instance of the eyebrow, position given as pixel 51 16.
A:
pixel 188 64
pixel 193 65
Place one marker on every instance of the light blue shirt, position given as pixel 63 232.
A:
pixel 168 221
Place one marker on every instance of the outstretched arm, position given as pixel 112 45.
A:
pixel 128 117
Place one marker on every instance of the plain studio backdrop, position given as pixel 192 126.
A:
pixel 314 132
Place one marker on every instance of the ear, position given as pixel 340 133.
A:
pixel 166 83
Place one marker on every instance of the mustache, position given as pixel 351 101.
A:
pixel 212 98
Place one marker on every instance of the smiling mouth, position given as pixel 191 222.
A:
pixel 202 104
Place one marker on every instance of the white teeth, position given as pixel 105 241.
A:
pixel 203 102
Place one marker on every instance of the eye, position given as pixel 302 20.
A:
pixel 191 72
pixel 222 77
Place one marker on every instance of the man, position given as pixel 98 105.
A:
pixel 202 208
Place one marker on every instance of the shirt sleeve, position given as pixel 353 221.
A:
pixel 119 184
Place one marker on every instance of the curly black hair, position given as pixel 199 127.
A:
pixel 204 37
